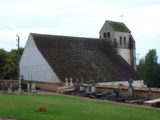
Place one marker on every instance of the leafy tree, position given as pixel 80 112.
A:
pixel 3 56
pixel 157 82
pixel 9 64
pixel 149 70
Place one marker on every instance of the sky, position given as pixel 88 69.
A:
pixel 81 18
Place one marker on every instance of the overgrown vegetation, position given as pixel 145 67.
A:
pixel 149 69
pixel 26 107
pixel 9 64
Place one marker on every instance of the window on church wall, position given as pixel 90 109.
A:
pixel 124 38
pixel 104 35
pixel 108 34
pixel 120 40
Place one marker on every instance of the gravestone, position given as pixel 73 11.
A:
pixel 33 87
pixel 91 88
pixel 71 83
pixel 10 87
pixel 130 89
pixel 28 87
pixel 149 94
pixel 66 83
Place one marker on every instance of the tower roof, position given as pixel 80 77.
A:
pixel 118 26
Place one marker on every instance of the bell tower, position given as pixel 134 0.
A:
pixel 118 34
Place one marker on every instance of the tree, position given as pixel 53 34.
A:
pixel 3 56
pixel 11 66
pixel 9 63
pixel 149 70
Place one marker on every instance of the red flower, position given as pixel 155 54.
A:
pixel 42 109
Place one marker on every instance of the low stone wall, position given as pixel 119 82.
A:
pixel 46 86
pixel 155 93
pixel 5 84
pixel 8 83
pixel 138 92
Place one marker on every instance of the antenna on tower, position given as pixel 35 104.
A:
pixel 121 17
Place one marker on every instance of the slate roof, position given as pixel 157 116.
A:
pixel 87 58
pixel 119 26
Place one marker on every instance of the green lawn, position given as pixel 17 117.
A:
pixel 68 108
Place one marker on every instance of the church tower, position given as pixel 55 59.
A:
pixel 121 39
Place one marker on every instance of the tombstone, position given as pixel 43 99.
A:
pixel 33 87
pixel 130 89
pixel 28 87
pixel 149 94
pixel 81 88
pixel 66 84
pixel 71 83
pixel 93 88
pixel 88 90
pixel 117 92
pixel 10 87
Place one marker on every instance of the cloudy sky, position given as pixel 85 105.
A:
pixel 82 18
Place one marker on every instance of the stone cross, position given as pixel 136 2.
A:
pixel 130 89
pixel 71 83
pixel 66 84
pixel 28 87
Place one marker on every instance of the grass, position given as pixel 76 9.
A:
pixel 69 108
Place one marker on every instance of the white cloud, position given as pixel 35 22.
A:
pixel 79 18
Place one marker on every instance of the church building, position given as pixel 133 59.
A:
pixel 108 60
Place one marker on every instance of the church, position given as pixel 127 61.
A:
pixel 107 60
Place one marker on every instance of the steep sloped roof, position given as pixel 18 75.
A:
pixel 87 58
pixel 118 26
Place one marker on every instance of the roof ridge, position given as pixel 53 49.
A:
pixel 64 36
pixel 114 21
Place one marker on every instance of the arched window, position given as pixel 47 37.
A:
pixel 108 34
pixel 131 43
pixel 120 40
pixel 124 38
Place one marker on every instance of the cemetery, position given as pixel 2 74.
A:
pixel 87 79
pixel 122 94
